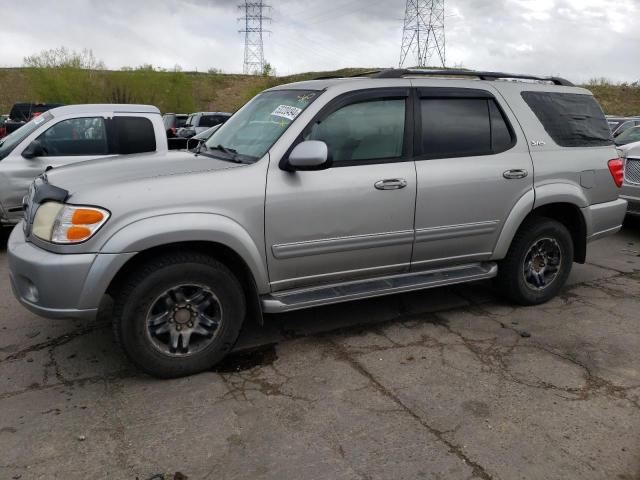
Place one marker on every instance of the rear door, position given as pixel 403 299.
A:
pixel 472 165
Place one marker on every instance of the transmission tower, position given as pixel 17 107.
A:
pixel 423 33
pixel 254 18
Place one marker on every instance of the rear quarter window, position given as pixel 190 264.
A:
pixel 570 119
pixel 134 135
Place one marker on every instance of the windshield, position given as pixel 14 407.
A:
pixel 253 130
pixel 628 136
pixel 11 141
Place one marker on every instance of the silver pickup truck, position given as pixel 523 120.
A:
pixel 72 134
pixel 322 192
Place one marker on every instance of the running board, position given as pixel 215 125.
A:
pixel 343 292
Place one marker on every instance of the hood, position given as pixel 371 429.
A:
pixel 131 168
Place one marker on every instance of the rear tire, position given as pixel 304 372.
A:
pixel 538 262
pixel 178 314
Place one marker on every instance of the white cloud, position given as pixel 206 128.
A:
pixel 578 39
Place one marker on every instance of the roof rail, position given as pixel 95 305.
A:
pixel 403 72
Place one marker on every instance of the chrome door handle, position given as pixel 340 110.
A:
pixel 391 184
pixel 515 174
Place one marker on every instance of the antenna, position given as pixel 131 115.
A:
pixel 253 17
pixel 423 32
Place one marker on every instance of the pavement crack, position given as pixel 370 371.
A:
pixel 343 354
pixel 54 342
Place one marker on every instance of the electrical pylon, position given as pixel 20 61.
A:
pixel 423 33
pixel 253 18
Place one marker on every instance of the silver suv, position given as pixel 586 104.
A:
pixel 321 192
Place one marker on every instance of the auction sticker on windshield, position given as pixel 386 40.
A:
pixel 286 111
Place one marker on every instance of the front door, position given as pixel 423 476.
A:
pixel 354 219
pixel 68 141
pixel 472 167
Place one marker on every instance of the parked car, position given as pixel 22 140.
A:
pixel 201 138
pixel 630 135
pixel 21 113
pixel 631 187
pixel 199 122
pixel 622 125
pixel 172 123
pixel 3 130
pixel 322 192
pixel 72 134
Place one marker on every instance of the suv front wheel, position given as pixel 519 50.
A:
pixel 538 262
pixel 178 314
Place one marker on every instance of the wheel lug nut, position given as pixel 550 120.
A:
pixel 190 324
pixel 178 327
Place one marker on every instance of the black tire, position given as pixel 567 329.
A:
pixel 139 293
pixel 512 277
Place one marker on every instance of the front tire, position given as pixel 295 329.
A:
pixel 538 262
pixel 178 314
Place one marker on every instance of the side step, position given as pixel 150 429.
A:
pixel 342 292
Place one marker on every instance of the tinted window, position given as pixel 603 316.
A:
pixel 570 119
pixel 76 136
pixel 210 120
pixel 501 137
pixel 363 131
pixel 463 127
pixel 180 121
pixel 134 135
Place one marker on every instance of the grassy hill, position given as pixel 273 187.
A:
pixel 191 91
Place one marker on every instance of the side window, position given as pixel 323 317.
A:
pixel 134 135
pixel 370 130
pixel 463 127
pixel 570 119
pixel 209 120
pixel 76 136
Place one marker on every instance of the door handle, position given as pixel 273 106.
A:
pixel 515 174
pixel 391 184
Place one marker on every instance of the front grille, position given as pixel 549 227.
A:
pixel 632 170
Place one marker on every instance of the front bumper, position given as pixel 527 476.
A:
pixel 604 218
pixel 631 193
pixel 55 285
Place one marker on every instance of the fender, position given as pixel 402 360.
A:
pixel 542 195
pixel 190 227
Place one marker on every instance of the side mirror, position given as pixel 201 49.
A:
pixel 33 150
pixel 308 155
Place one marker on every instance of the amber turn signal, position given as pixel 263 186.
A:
pixel 84 216
pixel 78 233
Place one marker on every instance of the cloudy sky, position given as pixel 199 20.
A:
pixel 577 39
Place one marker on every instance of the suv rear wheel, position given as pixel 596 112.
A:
pixel 178 314
pixel 538 262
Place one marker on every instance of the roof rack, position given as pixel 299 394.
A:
pixel 403 72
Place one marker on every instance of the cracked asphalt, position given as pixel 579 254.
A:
pixel 452 383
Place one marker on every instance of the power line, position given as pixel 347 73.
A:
pixel 254 19
pixel 423 32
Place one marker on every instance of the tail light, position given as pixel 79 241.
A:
pixel 174 130
pixel 616 167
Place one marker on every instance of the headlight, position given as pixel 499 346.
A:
pixel 59 223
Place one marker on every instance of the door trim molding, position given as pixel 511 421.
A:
pixel 456 231
pixel 342 244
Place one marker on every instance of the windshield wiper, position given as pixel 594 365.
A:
pixel 230 152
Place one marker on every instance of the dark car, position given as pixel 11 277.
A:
pixel 21 113
pixel 3 131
